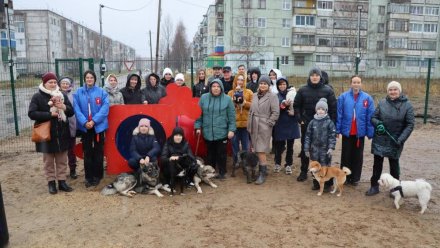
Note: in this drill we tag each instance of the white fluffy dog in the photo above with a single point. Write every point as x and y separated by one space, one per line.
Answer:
399 189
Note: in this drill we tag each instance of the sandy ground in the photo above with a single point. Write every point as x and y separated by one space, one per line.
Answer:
280 213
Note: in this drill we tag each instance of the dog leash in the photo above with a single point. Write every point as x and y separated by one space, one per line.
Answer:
197 144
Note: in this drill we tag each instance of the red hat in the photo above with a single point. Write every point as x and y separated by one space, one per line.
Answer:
48 76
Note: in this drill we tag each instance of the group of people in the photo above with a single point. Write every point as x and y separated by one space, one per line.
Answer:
249 109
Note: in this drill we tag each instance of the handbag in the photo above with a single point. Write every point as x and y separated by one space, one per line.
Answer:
41 132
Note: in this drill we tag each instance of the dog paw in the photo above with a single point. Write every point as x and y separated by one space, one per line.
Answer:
319 194
339 194
199 191
214 186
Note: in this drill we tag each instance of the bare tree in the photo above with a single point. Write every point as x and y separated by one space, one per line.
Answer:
180 48
166 38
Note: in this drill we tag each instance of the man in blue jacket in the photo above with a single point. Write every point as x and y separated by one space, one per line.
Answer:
355 109
91 106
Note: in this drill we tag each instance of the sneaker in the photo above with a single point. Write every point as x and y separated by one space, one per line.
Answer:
302 177
372 191
277 168
288 170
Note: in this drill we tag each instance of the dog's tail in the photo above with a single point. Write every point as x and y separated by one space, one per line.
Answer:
346 170
424 184
109 190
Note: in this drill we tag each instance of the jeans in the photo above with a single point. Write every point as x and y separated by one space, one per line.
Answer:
241 136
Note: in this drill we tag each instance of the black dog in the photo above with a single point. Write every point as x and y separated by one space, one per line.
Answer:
179 171
248 161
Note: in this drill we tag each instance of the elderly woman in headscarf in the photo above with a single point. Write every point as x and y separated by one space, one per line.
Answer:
113 91
394 122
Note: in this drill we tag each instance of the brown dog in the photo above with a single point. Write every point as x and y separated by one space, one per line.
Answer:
325 173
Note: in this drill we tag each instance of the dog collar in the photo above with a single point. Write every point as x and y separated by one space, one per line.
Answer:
398 188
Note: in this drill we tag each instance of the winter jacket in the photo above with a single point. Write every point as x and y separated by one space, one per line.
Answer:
241 110
39 111
218 115
72 119
263 115
320 137
143 145
228 84
211 78
165 82
307 97
286 127
99 107
152 94
364 109
398 118
172 149
114 94
199 89
253 86
132 96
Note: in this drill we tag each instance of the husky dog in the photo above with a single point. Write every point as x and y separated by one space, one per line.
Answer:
248 161
204 174
148 180
123 184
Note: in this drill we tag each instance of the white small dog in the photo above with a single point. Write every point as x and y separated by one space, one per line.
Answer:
399 189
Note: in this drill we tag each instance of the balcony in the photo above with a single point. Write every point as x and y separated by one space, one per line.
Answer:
303 49
304 11
396 51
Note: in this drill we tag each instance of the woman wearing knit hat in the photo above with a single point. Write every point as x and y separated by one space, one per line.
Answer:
394 122
55 150
180 79
320 139
167 77
144 147
263 115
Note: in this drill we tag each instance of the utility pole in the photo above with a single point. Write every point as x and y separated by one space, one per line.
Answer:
158 32
151 54
358 55
102 67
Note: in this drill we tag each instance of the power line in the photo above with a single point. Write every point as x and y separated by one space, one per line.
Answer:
196 5
128 10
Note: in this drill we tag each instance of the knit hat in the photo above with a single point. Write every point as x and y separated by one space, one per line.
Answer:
394 84
67 80
322 103
179 76
48 76
265 79
315 70
166 71
144 122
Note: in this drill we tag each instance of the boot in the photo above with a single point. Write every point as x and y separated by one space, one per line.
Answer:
62 186
73 174
52 187
263 173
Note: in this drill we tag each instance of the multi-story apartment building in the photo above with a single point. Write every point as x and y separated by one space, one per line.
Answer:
390 37
43 36
6 47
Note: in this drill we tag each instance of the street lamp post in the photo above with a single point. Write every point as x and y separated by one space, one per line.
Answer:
358 55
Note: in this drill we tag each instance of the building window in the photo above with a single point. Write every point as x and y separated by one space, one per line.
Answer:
343 58
284 60
415 27
429 45
299 59
300 4
323 58
380 27
392 63
247 22
399 8
261 41
379 63
381 10
379 45
324 41
328 5
20 27
399 25
261 22
245 4
400 43
304 39
304 20
220 41
412 62
286 23
323 23
261 4
262 62
285 42
341 42
245 40
431 11
416 10
287 5
414 45
430 28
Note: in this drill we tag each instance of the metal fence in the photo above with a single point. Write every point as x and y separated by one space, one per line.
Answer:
14 122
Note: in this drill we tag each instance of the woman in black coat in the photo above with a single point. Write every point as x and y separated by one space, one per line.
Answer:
394 122
153 91
55 150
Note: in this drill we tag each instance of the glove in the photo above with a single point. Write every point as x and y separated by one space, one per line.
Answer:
380 129
329 152
307 154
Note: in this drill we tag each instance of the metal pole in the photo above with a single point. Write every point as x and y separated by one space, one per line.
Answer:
101 61
428 80
192 72
81 71
151 54
358 55
157 37
11 71
278 63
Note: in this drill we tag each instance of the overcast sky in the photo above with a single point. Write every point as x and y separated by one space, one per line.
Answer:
129 27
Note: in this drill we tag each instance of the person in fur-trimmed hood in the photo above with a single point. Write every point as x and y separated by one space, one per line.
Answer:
132 90
144 147
153 91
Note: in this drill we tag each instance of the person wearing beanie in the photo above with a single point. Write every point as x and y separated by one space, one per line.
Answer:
217 124
111 87
167 77
91 107
144 147
255 75
320 140
201 85
153 91
304 107
286 129
394 122
355 109
263 115
180 79
66 86
132 90
55 150
174 149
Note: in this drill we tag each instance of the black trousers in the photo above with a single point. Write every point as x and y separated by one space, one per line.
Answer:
280 146
377 169
352 156
217 154
304 159
93 148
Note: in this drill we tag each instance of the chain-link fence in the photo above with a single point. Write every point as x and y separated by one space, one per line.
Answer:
15 96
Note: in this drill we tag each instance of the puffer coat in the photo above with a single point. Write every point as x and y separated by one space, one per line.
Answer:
152 94
286 127
320 137
398 118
